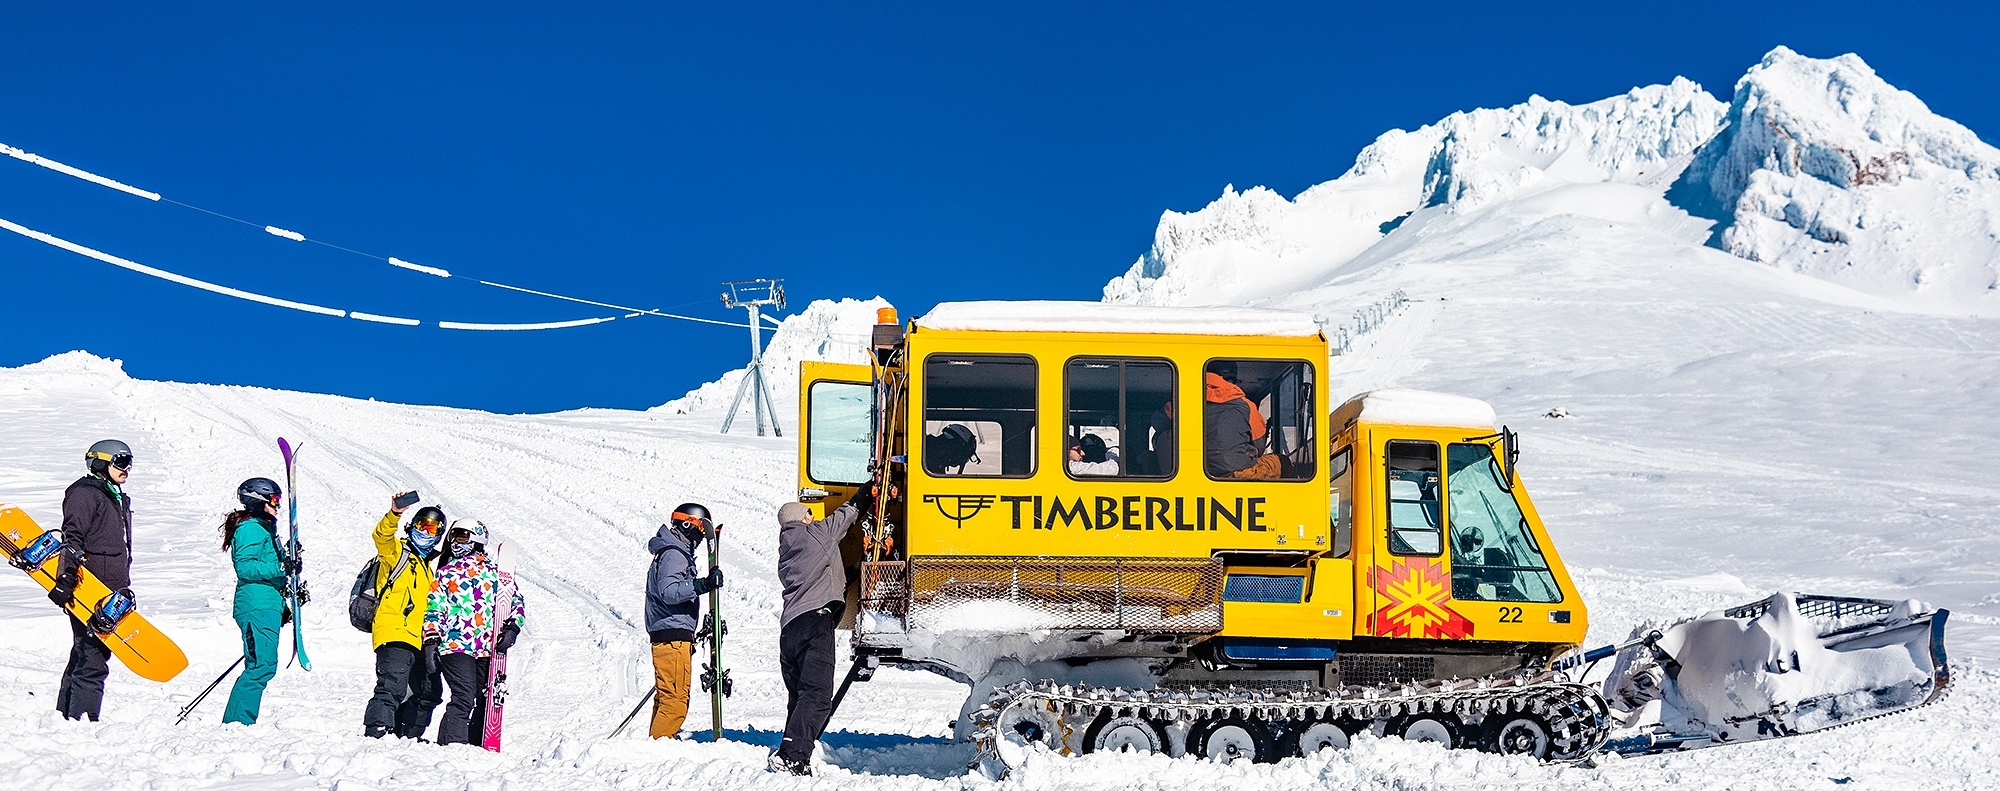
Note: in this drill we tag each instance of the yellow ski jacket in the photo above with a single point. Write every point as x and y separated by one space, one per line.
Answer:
399 616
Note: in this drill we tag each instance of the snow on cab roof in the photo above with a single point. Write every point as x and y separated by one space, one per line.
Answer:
1060 316
1415 408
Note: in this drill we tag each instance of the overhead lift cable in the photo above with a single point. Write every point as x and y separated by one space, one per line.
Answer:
35 159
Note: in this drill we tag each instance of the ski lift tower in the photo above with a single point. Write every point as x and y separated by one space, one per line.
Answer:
752 296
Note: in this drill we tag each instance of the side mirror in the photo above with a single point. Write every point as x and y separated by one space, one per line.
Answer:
1510 451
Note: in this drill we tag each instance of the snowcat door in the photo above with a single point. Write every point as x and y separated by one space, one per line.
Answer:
836 446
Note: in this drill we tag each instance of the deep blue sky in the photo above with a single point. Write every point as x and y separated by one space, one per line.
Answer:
641 155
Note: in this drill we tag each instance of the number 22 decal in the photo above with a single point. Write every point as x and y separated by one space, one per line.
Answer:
1510 615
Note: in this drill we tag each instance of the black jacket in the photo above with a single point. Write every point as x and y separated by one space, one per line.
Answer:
97 528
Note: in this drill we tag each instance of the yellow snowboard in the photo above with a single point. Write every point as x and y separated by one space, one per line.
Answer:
134 640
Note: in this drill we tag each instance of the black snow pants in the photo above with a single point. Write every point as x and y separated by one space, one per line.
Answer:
82 692
805 659
465 716
407 690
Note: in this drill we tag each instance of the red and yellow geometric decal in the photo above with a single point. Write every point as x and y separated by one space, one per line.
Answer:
1416 601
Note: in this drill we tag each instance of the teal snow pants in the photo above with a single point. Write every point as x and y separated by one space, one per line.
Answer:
260 664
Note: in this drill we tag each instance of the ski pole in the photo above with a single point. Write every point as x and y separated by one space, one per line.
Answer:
189 708
634 715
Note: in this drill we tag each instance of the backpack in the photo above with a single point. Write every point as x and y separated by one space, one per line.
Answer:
366 594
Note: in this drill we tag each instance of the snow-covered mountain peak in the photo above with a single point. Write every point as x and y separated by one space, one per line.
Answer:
1825 168
1255 242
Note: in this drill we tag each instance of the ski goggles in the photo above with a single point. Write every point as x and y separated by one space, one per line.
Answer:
459 534
427 525
693 520
122 461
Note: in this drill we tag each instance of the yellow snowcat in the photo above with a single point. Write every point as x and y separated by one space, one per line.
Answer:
1150 529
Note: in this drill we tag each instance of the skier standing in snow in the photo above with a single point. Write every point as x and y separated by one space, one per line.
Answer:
458 628
815 592
96 535
250 535
407 683
673 609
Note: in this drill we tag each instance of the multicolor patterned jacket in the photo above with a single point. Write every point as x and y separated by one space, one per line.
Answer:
463 604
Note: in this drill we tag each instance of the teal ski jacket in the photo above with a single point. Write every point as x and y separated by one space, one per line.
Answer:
260 578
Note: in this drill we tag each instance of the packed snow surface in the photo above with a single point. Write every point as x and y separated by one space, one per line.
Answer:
1060 316
1733 428
1420 407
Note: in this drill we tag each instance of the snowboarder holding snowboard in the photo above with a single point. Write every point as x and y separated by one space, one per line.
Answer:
815 591
250 536
407 683
673 609
96 535
458 626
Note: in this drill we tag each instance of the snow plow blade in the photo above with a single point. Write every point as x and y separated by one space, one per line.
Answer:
1785 666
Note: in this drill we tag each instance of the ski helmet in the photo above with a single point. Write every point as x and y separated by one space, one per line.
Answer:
259 492
426 528
475 531
692 520
108 452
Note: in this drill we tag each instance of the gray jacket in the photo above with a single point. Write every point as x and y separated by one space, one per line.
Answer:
809 559
672 608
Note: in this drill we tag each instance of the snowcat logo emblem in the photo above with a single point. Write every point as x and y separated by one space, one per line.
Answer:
963 506
1417 602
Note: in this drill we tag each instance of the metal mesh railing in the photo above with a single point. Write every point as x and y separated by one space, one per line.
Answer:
1013 594
1831 614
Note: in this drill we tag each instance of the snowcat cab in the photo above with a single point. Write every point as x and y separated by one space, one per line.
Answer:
1134 528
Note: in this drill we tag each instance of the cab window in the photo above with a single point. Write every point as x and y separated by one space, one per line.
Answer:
839 438
979 415
1119 416
1257 420
1493 553
1413 481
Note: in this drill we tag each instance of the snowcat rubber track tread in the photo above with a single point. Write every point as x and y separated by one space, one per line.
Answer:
1577 720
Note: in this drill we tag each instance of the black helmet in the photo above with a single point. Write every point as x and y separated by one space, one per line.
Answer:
108 452
258 492
431 513
692 519
952 446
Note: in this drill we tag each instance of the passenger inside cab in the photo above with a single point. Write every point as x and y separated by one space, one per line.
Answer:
1088 455
1234 431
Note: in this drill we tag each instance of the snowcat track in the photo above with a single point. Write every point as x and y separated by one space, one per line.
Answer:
1576 716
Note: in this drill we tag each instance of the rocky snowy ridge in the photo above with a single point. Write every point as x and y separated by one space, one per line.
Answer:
1816 166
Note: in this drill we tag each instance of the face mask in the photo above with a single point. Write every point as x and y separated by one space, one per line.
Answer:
461 549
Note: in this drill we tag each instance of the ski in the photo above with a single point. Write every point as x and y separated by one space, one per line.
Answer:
496 676
295 586
714 678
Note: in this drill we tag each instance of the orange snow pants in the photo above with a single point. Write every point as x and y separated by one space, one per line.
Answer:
672 674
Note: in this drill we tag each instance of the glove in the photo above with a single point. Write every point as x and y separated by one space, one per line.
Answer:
285 617
710 582
509 632
65 590
430 655
864 500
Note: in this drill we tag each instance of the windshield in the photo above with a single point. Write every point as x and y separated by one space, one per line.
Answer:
1493 554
